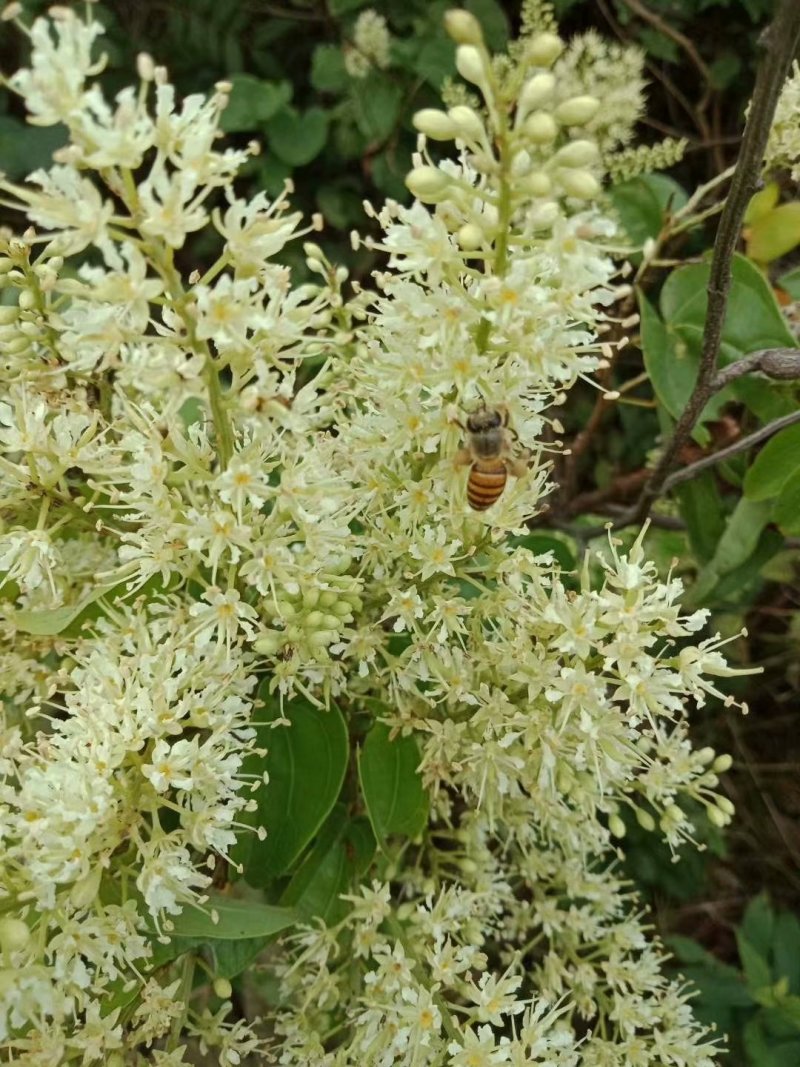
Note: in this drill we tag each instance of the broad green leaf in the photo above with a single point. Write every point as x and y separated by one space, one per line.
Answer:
253 101
703 512
493 20
306 762
737 584
775 234
377 107
786 950
328 72
758 924
790 282
298 137
233 957
236 919
340 204
339 858
642 204
753 321
436 61
44 623
786 512
669 363
777 461
761 203
755 966
24 148
736 545
394 796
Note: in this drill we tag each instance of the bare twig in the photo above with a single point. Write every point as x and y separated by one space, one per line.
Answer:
741 445
779 44
680 39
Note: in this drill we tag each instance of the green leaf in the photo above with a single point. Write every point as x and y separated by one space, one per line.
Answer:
236 919
252 102
758 924
756 968
436 61
395 799
762 202
540 544
377 107
753 321
643 202
703 512
24 148
306 763
493 20
298 137
341 7
667 359
340 856
48 623
775 234
736 545
233 957
790 282
724 70
786 950
328 72
787 507
777 461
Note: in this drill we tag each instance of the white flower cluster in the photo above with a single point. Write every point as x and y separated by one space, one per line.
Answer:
783 146
370 47
219 479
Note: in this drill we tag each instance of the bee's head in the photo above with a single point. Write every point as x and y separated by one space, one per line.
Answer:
484 419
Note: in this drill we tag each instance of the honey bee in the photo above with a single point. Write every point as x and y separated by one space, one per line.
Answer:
488 451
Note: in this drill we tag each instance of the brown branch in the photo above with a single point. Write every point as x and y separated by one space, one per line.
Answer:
779 44
680 39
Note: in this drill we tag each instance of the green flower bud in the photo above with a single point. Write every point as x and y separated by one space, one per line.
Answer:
579 183
645 819
268 643
468 122
544 49
285 609
427 184
340 608
577 154
222 988
723 763
14 934
311 598
716 817
314 619
536 91
616 826
8 314
330 622
706 755
726 805
578 110
538 184
541 127
470 64
544 215
462 26
328 598
470 237
435 124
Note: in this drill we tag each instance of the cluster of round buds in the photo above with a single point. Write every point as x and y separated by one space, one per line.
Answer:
308 622
542 152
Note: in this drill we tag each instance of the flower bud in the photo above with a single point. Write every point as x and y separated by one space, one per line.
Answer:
706 755
222 988
578 110
468 122
328 598
427 184
314 619
435 124
470 64
462 26
541 127
14 934
544 215
645 819
84 892
579 183
8 314
716 817
577 154
268 644
538 184
616 826
726 805
544 49
470 237
536 91
311 598
723 763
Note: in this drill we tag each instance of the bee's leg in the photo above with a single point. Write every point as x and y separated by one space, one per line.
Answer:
502 411
462 458
520 464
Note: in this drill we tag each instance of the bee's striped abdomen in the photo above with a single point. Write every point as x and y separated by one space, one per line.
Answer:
487 480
